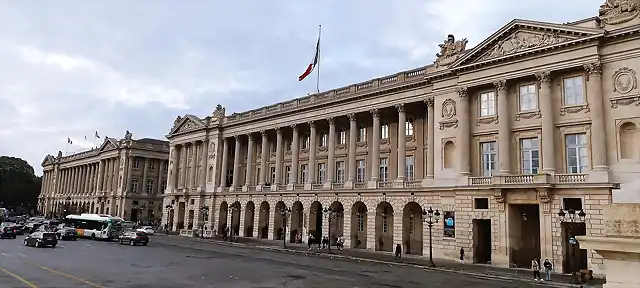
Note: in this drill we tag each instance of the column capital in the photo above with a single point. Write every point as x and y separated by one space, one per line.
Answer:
263 133
543 77
400 107
462 91
429 101
593 68
352 117
294 127
312 124
330 120
278 130
375 113
500 84
237 137
249 136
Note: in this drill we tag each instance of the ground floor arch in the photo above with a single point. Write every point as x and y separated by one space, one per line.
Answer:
359 225
384 227
297 221
222 217
249 214
412 228
263 220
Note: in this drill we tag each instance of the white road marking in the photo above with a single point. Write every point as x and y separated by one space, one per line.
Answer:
22 255
62 246
3 254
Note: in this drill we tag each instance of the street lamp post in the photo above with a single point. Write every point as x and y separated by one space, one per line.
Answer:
232 211
169 220
204 210
570 217
330 213
285 212
430 218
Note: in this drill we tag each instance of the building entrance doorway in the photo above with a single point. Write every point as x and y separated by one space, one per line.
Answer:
574 258
134 215
524 234
481 241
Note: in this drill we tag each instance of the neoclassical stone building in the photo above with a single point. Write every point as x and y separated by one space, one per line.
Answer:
124 178
498 138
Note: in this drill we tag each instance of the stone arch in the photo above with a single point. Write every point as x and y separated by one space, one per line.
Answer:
628 134
336 222
279 222
384 227
359 225
249 215
222 217
412 229
263 220
297 221
236 208
315 220
448 154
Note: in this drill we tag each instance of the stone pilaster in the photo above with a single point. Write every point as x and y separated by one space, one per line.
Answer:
600 172
504 128
430 138
462 141
548 127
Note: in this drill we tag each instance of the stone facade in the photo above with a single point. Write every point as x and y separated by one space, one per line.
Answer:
124 178
498 138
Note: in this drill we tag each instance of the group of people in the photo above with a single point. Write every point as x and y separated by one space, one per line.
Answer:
535 266
324 243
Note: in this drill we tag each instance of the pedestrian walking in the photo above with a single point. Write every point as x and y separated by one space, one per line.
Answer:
398 252
535 266
462 255
548 267
311 241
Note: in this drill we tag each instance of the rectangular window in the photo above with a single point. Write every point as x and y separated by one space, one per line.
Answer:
134 185
340 172
488 158
384 170
321 172
573 91
136 163
409 127
361 173
384 131
577 156
273 174
529 156
304 168
528 98
149 188
342 137
152 164
481 203
305 142
362 134
487 104
287 179
323 140
409 168
385 223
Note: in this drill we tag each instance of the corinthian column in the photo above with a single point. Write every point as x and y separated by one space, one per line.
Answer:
236 164
313 147
295 149
402 143
431 147
264 155
331 159
504 128
353 137
599 144
278 158
375 150
463 131
223 168
250 150
546 109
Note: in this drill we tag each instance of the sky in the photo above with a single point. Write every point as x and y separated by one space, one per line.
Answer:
70 68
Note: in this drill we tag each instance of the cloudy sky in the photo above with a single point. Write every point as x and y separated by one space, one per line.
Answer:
69 68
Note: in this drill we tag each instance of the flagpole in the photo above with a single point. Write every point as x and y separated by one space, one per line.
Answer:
318 64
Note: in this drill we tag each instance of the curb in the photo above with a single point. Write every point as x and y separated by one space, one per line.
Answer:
311 253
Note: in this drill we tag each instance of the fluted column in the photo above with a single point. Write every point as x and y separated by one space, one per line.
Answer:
313 148
194 165
100 176
278 156
295 150
353 137
90 179
76 180
160 180
546 109
172 167
463 131
142 188
375 149
430 138
116 166
223 169
402 142
504 128
594 90
186 167
264 155
331 160
236 163
130 160
250 152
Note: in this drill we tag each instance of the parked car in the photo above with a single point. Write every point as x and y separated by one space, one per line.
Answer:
66 233
41 239
134 238
146 229
7 232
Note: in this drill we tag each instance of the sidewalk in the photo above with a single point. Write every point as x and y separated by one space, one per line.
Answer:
558 280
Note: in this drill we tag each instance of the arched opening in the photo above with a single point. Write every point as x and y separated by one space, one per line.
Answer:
210 174
359 225
249 212
222 217
628 133
448 153
263 220
297 220
336 222
235 218
412 229
278 221
384 227
315 220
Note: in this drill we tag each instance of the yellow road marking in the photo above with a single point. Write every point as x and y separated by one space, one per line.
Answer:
68 276
31 285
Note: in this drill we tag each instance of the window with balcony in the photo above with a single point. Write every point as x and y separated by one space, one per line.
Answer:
305 142
529 156
487 104
384 170
361 173
149 187
304 168
323 140
134 185
322 167
287 173
577 157
528 98
384 131
273 174
342 136
489 155
136 163
409 168
339 171
573 91
362 134
409 127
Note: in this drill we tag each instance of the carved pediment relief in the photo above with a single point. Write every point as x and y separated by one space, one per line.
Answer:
522 41
48 160
186 124
614 12
108 144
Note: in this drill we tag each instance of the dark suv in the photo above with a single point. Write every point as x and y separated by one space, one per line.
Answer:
41 239
133 238
8 232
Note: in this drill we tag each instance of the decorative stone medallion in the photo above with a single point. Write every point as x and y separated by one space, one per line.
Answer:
448 108
624 80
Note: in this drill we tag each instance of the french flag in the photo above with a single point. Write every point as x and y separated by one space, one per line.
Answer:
313 63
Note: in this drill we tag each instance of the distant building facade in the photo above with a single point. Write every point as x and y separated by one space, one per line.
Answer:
498 138
124 178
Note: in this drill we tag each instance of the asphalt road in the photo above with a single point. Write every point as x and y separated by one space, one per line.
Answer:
97 264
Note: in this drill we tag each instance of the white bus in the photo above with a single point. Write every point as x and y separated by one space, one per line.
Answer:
95 226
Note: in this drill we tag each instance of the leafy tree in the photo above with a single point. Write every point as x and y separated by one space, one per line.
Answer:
19 186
